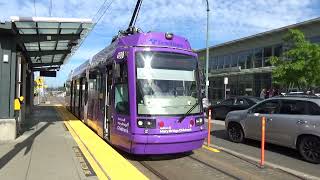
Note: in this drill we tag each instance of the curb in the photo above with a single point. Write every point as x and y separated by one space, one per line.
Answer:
298 174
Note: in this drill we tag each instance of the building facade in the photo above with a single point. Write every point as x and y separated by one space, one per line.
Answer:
245 62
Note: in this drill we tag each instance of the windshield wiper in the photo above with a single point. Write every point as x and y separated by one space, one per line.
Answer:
188 112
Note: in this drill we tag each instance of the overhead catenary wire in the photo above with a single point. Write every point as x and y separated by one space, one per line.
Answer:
50 8
106 7
34 7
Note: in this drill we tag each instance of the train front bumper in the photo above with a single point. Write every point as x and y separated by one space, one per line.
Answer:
168 143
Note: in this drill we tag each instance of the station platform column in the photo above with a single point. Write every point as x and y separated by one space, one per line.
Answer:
7 89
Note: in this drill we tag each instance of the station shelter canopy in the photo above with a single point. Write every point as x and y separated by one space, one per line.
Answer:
48 42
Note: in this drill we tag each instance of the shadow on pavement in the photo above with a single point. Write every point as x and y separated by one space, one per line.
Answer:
27 143
46 114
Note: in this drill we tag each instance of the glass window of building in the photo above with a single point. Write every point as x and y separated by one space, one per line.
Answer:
220 62
227 61
277 50
242 60
315 39
267 53
214 63
234 60
249 57
258 58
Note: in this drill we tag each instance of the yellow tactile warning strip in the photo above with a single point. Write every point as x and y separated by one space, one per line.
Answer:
210 148
105 161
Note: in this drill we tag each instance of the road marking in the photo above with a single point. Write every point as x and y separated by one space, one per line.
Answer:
210 149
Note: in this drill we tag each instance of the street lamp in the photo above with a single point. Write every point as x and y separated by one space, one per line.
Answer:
207 52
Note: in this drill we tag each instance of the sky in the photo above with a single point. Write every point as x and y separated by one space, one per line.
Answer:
229 20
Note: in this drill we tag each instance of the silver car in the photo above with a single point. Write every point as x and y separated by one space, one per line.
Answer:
290 121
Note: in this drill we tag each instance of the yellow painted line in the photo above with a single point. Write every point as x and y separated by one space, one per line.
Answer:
210 149
108 159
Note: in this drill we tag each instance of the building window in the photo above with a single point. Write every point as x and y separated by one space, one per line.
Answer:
258 58
249 57
315 39
214 63
242 60
227 61
278 50
267 53
234 60
220 62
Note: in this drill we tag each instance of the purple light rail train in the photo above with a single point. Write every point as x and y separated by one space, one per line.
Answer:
141 94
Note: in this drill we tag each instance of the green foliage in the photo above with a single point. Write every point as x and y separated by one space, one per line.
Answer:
299 64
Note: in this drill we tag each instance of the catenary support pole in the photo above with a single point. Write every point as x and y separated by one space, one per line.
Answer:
207 53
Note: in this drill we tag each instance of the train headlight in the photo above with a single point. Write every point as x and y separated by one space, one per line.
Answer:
140 123
199 121
147 123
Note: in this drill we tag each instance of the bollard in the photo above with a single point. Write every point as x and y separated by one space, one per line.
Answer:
263 131
209 127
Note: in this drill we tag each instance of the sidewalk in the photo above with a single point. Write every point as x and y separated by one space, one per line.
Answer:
46 150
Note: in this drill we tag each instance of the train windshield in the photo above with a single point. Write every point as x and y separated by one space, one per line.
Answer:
166 83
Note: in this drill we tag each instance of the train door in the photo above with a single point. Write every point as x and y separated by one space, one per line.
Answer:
86 97
74 96
120 115
99 112
107 118
91 92
71 96
82 98
77 98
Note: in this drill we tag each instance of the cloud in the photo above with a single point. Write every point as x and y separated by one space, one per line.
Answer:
229 20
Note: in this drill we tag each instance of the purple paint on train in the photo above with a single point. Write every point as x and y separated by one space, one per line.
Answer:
136 92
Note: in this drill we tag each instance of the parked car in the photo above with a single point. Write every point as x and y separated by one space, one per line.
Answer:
293 122
220 110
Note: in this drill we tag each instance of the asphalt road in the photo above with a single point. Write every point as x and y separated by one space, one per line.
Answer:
279 155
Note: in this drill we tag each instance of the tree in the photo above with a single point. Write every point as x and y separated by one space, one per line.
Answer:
299 65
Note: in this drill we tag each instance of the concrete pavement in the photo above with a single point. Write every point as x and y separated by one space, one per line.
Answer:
44 151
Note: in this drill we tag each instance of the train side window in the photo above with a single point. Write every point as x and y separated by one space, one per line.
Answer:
121 73
121 98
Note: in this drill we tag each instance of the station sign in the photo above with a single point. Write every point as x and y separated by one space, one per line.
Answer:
48 73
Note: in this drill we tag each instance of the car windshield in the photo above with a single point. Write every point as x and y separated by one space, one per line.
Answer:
166 83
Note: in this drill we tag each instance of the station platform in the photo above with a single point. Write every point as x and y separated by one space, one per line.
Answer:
50 148
56 145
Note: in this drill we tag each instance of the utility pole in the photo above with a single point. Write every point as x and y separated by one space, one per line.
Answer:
207 53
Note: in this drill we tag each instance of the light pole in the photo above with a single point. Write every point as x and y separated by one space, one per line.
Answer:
207 52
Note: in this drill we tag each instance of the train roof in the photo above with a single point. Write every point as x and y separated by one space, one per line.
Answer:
80 70
150 39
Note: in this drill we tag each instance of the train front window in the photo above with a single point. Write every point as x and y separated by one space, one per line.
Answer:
166 83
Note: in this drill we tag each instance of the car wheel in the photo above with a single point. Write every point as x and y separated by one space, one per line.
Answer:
309 148
235 133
